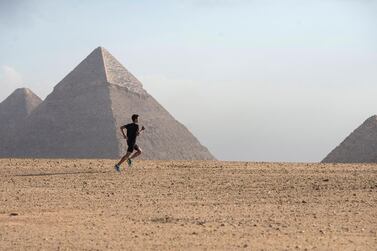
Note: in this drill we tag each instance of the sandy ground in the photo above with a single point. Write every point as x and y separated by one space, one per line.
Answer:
86 205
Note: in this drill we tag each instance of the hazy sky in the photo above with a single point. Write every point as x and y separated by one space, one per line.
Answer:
253 80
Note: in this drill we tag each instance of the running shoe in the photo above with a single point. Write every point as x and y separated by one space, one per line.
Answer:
117 168
129 162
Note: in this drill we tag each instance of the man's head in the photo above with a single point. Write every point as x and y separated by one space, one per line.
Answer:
135 118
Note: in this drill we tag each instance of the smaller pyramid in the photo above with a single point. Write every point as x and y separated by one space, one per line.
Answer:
18 106
359 147
13 111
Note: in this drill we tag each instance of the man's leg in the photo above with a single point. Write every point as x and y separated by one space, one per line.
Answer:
124 158
137 153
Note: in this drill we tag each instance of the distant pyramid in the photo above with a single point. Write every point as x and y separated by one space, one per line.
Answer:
17 107
82 116
359 147
13 110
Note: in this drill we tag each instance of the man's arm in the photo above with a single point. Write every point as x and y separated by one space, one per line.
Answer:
142 129
121 129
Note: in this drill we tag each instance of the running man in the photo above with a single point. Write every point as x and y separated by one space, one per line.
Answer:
132 132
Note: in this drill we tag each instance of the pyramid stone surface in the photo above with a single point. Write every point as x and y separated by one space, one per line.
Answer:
82 116
359 147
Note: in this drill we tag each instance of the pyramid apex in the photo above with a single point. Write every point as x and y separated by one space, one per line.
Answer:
21 89
23 92
371 120
101 49
27 94
100 67
373 117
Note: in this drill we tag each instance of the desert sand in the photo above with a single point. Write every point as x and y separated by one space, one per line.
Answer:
85 205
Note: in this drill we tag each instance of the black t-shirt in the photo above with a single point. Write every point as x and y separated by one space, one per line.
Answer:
132 130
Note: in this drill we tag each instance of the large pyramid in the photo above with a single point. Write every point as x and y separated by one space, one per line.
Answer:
82 116
359 147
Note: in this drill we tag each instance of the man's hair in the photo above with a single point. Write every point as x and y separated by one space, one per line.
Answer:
134 117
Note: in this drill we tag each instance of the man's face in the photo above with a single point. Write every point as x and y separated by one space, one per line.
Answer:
137 120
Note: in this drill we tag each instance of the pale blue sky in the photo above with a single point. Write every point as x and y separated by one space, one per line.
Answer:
253 80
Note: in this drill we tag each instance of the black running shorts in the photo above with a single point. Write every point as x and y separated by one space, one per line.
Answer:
132 146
